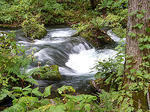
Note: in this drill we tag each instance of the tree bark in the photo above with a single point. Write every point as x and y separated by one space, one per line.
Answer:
133 51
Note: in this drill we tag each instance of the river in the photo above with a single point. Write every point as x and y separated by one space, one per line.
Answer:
75 57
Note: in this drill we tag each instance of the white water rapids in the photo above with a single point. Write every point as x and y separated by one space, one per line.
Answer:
82 57
75 57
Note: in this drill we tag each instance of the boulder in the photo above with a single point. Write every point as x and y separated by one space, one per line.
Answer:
46 73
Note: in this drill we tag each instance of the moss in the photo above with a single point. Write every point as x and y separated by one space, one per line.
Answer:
46 73
32 28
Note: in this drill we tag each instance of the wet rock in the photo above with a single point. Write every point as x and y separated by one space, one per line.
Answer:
102 38
97 37
46 73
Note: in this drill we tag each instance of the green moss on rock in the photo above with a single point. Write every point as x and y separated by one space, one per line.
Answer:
46 73
32 28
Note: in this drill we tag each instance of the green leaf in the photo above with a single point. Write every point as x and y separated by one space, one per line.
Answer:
65 88
133 71
148 29
133 13
58 108
100 37
139 16
87 107
17 89
140 83
147 76
3 94
131 34
45 101
120 99
132 78
47 91
36 92
138 26
140 110
32 81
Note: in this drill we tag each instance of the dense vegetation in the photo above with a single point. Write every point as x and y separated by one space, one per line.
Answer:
117 90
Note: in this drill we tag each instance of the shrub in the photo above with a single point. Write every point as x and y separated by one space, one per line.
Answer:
13 62
33 29
16 11
39 102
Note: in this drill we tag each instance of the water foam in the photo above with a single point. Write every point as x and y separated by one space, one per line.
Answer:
113 36
42 55
62 33
84 62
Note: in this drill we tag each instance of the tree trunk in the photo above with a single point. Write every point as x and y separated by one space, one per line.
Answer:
137 29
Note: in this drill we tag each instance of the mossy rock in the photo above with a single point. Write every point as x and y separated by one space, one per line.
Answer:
46 73
32 28
97 37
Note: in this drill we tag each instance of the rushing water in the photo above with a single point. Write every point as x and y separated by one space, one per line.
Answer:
74 56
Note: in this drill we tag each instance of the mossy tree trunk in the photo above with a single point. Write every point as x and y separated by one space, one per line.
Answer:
138 28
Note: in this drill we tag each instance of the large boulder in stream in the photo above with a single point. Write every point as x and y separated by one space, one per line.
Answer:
33 29
95 36
46 73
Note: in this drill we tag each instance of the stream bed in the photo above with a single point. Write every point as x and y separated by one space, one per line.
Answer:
75 57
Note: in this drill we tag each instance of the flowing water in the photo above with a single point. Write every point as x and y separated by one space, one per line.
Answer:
74 56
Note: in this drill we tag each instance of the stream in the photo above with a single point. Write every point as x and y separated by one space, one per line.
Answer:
75 57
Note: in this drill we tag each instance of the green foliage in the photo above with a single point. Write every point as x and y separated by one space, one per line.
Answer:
33 29
25 103
111 70
133 85
69 103
120 32
112 6
111 73
111 21
65 89
79 103
17 11
52 12
97 27
47 91
13 63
